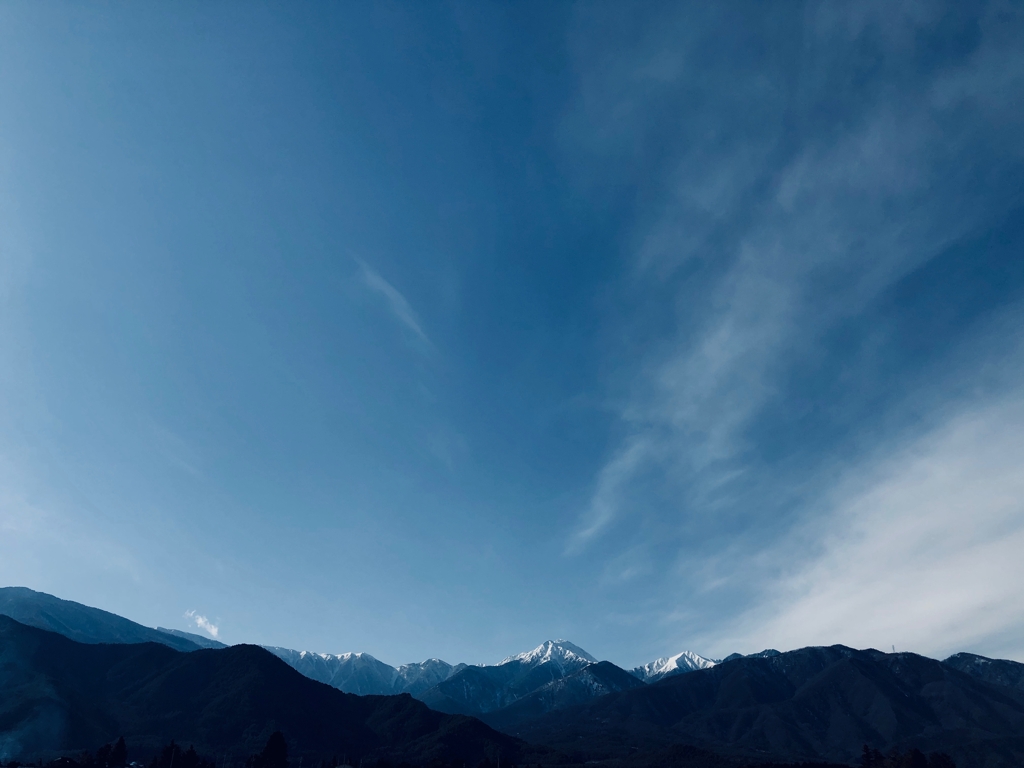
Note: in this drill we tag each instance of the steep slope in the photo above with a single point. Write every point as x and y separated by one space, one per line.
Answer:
362 674
416 678
815 703
995 671
358 673
478 689
560 654
687 661
80 622
200 640
61 696
580 687
767 653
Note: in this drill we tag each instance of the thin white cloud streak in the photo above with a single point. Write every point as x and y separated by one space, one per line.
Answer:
396 302
605 502
923 550
856 214
203 623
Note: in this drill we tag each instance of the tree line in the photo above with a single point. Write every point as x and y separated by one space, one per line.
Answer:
273 755
914 758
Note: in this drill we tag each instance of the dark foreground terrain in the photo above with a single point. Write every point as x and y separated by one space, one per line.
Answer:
810 704
275 755
814 707
60 697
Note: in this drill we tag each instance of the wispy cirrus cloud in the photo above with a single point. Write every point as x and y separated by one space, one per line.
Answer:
835 225
393 299
918 548
604 504
203 623
779 234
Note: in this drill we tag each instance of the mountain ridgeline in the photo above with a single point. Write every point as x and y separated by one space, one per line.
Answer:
555 674
583 685
451 688
478 689
808 704
82 623
78 677
62 697
687 661
362 674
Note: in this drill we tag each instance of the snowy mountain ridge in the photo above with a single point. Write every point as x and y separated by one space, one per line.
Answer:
458 688
565 655
687 661
363 674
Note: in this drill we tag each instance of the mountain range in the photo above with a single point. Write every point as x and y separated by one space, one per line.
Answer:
587 683
687 661
551 676
358 673
809 704
109 676
362 674
469 689
82 623
61 697
477 689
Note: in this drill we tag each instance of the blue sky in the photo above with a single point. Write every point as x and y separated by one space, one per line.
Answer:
439 329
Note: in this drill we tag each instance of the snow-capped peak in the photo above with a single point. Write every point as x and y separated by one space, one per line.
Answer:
687 661
348 656
560 652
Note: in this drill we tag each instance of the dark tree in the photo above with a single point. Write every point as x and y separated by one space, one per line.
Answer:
172 756
274 754
107 756
119 754
872 758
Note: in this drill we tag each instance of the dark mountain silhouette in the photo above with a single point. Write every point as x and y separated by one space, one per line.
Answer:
995 671
478 689
580 687
80 622
815 704
765 654
60 696
810 704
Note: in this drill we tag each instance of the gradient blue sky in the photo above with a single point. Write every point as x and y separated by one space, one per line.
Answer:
441 329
